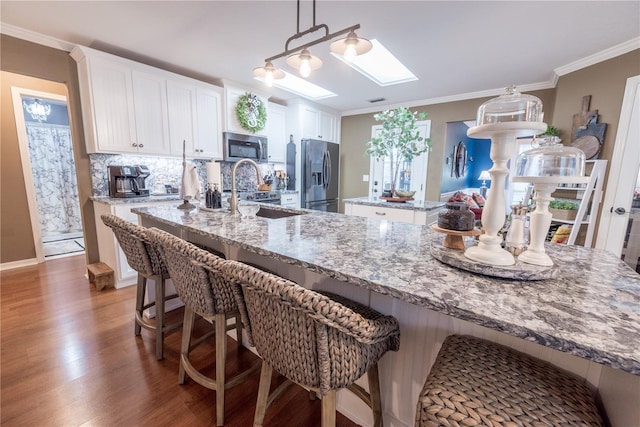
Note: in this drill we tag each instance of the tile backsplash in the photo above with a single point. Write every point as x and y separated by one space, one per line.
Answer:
167 170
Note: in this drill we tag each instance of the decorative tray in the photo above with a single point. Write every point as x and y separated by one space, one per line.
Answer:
518 271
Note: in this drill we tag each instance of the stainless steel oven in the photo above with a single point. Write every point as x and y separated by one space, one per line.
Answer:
238 146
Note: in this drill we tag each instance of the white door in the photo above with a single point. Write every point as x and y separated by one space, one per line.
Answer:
619 221
413 174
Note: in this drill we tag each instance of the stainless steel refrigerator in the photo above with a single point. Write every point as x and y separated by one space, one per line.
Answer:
320 170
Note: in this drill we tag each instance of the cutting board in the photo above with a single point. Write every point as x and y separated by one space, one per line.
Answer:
584 117
589 139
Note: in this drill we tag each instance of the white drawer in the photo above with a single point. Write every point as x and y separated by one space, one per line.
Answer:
378 212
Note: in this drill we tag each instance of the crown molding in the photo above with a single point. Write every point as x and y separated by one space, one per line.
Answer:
601 56
34 37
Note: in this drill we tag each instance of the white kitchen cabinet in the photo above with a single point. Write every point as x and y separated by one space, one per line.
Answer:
313 122
277 133
129 107
106 89
194 117
290 200
150 113
209 137
389 214
183 116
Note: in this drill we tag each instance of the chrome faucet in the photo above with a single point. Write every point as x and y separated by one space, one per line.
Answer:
233 201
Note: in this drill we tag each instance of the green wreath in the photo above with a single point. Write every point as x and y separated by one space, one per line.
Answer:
251 113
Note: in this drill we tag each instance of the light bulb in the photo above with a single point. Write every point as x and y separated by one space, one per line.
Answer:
268 77
350 52
305 67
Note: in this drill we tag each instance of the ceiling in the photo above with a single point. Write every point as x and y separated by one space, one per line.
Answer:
457 49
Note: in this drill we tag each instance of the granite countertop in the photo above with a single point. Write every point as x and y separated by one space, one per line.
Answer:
135 200
415 206
591 309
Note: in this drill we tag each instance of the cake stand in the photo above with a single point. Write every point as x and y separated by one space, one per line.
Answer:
503 136
541 217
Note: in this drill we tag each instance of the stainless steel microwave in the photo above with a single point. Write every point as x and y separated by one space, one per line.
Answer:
238 146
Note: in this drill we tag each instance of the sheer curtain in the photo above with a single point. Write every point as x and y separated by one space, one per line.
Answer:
54 175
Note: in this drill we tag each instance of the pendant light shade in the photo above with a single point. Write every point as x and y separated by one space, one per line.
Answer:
304 62
351 46
269 73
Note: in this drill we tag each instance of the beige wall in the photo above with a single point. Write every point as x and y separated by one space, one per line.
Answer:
33 66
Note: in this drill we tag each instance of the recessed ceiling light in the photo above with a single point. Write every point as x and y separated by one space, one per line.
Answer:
300 87
380 66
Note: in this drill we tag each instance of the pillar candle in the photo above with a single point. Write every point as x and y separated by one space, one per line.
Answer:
213 173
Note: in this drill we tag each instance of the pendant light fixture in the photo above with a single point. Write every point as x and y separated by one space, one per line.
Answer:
304 61
269 73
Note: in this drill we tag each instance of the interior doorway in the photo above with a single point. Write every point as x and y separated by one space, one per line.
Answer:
46 151
619 230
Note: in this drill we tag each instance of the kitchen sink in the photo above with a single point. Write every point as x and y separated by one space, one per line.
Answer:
276 213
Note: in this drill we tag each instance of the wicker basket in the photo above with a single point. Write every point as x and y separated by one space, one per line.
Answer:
564 214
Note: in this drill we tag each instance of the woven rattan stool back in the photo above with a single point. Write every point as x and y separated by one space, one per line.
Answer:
141 255
321 341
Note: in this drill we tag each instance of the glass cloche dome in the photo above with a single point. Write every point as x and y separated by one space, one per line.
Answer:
510 107
551 158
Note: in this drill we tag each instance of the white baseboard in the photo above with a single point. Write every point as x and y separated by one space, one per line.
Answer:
18 264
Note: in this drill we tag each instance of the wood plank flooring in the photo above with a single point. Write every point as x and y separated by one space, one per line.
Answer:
69 357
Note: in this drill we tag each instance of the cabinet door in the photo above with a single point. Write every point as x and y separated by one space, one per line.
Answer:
150 108
327 126
277 133
112 102
209 123
124 270
310 119
389 214
181 100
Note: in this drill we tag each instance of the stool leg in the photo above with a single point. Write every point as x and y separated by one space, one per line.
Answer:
374 395
263 394
221 355
239 330
187 327
159 317
329 409
140 292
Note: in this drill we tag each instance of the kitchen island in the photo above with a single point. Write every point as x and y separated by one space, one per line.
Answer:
587 320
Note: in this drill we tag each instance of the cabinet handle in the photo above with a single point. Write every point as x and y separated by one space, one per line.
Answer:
381 213
134 144
320 136
141 145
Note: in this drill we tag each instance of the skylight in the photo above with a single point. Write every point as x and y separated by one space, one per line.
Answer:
301 87
380 66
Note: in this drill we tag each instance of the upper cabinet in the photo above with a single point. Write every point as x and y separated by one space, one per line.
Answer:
277 133
130 107
312 122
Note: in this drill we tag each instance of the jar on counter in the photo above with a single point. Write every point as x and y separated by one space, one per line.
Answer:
456 216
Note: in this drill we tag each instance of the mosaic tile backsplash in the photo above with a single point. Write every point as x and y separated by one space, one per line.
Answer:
166 170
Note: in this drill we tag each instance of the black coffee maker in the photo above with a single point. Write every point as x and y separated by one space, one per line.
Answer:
128 181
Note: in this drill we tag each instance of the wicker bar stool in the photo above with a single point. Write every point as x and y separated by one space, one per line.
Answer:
322 342
204 290
148 263
475 382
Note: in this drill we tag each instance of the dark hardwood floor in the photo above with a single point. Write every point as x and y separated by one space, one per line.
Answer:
69 357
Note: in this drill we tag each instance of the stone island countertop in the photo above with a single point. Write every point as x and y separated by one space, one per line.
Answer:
591 310
416 206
